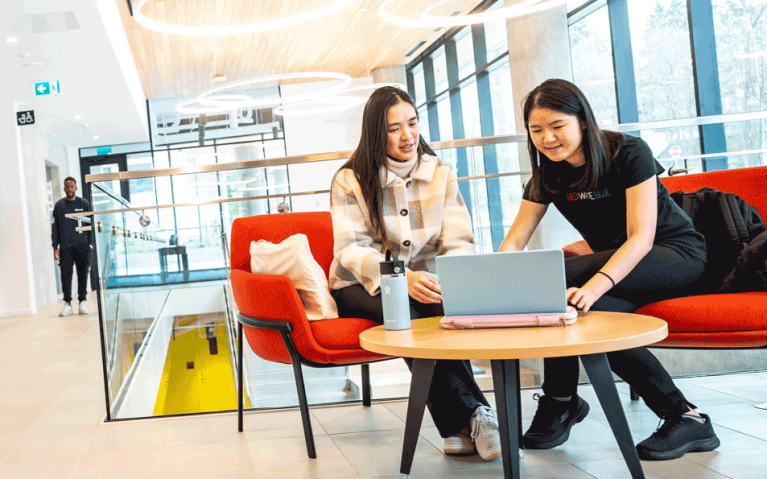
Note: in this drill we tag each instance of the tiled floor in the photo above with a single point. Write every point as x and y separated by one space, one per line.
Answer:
52 403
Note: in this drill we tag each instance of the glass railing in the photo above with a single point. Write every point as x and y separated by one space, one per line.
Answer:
162 295
206 199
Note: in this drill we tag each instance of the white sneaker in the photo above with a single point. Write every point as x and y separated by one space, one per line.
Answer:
460 443
484 431
83 308
67 311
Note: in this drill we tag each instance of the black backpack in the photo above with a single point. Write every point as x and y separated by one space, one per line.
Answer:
727 223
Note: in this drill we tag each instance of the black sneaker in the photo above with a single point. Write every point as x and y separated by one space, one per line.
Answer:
553 420
678 436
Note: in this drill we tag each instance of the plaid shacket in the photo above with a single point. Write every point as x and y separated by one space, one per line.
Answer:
429 216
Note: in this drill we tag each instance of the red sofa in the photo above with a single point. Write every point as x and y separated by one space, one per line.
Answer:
733 320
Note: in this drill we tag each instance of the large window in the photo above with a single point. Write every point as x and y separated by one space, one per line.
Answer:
741 45
487 109
660 39
593 71
503 99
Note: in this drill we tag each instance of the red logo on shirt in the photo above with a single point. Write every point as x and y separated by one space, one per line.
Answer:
572 197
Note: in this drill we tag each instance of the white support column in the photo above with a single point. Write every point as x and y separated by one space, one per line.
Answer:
539 49
17 292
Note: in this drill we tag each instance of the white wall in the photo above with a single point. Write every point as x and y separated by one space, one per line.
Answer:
39 147
323 133
28 282
16 289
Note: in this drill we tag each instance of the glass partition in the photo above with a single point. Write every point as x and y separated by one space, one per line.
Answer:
166 309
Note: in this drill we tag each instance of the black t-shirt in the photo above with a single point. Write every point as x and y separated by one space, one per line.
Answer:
599 215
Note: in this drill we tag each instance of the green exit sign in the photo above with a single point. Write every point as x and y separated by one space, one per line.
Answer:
47 88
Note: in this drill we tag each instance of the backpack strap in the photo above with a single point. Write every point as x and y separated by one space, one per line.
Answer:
734 221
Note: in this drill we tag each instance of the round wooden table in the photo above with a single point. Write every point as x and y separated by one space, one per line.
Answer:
595 334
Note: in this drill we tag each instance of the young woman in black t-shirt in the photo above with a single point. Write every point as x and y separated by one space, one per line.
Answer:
645 250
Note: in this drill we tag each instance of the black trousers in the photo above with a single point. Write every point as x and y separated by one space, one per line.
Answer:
79 256
664 273
454 394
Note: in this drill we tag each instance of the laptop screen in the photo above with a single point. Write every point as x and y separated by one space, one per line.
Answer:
521 282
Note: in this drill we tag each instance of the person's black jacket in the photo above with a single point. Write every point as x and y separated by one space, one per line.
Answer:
63 233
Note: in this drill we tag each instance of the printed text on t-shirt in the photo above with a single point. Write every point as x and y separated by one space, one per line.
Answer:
589 195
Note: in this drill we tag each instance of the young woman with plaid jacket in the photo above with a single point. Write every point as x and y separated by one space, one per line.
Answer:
395 193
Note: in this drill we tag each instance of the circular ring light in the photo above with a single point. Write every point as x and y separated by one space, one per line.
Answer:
223 103
346 81
339 103
317 111
432 21
237 29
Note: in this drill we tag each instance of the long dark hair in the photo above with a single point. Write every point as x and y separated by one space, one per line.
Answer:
370 156
598 146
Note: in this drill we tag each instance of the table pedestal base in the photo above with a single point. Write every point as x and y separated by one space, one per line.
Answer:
507 400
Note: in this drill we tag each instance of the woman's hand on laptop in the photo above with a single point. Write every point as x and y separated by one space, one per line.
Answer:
423 287
581 298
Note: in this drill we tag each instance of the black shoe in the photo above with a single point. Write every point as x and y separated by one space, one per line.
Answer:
678 436
553 420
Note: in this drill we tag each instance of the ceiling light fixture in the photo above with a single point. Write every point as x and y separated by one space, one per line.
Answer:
338 102
78 117
11 40
432 21
237 29
225 103
96 137
219 78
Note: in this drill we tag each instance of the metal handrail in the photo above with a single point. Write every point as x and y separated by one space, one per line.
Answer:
437 145
265 197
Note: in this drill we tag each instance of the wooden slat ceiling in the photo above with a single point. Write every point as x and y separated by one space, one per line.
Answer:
350 41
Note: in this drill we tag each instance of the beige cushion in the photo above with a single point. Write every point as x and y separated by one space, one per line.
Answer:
293 258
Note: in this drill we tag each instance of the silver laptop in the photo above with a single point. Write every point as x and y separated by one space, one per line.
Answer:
522 282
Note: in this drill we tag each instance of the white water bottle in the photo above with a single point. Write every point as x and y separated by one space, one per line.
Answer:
394 294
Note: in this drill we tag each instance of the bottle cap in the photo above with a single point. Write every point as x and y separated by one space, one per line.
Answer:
392 265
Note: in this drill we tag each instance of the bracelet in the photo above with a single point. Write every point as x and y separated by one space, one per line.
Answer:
608 277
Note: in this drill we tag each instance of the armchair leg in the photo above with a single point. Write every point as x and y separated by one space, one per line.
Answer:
366 385
304 406
240 392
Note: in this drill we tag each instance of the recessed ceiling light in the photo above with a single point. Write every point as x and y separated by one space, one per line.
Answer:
78 117
289 39
96 137
219 78
320 49
206 44
11 40
363 9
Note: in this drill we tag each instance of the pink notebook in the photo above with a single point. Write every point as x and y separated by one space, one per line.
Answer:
510 320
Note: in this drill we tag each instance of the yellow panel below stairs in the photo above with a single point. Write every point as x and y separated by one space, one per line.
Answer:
208 386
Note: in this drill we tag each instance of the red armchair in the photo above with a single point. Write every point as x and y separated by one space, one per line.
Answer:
272 316
733 320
